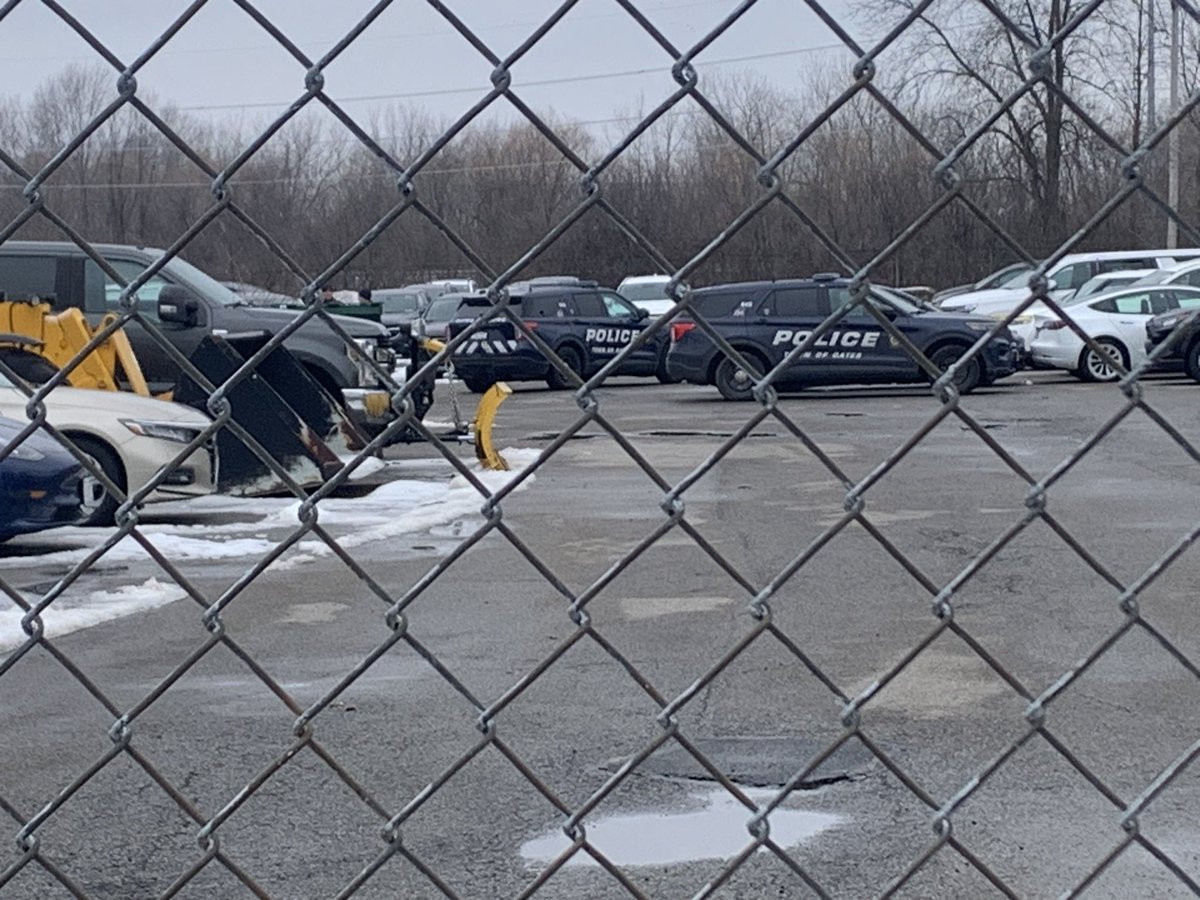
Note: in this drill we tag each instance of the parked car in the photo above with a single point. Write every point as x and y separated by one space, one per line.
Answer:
434 322
1183 327
1006 276
251 293
130 437
1186 273
1116 320
1067 275
188 305
585 326
400 308
770 318
648 292
39 483
1110 281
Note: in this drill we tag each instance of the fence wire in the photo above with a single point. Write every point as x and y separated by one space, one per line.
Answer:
32 849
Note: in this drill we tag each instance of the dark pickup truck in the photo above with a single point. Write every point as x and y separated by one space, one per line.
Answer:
187 305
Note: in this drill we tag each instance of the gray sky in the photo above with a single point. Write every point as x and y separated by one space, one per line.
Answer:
222 64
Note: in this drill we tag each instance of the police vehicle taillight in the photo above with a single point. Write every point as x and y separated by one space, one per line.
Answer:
679 329
532 326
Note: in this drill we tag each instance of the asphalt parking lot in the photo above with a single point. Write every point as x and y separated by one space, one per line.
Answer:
571 697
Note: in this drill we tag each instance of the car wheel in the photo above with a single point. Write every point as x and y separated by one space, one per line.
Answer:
660 372
969 376
1095 367
573 361
734 382
476 384
97 505
1191 360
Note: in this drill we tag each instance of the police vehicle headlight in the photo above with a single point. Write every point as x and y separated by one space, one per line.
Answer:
979 326
27 453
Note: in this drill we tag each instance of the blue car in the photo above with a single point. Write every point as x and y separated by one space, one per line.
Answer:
39 484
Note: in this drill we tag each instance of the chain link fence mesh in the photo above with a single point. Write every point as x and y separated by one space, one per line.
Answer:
33 826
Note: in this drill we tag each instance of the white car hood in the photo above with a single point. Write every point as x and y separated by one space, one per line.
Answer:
83 404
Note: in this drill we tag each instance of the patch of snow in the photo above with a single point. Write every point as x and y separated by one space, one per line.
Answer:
65 615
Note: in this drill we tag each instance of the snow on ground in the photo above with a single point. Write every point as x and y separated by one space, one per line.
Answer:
402 506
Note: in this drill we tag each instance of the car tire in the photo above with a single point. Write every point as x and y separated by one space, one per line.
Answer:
573 360
734 382
1191 360
1093 368
98 505
475 384
969 377
660 372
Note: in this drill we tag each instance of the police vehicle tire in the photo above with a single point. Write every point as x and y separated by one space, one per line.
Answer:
660 372
1093 368
477 384
732 381
969 377
1191 360
98 505
573 360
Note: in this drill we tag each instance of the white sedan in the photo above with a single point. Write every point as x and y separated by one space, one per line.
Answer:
130 437
1115 320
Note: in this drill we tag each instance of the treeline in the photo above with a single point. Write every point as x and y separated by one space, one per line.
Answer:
861 179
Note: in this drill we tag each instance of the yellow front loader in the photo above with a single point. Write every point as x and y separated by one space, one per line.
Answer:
58 337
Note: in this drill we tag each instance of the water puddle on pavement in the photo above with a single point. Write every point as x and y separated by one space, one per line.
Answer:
718 831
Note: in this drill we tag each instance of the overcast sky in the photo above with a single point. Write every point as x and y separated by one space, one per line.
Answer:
600 62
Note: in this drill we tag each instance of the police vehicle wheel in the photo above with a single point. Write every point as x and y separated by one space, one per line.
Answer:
734 382
661 373
475 384
1094 367
969 376
1191 361
97 506
573 361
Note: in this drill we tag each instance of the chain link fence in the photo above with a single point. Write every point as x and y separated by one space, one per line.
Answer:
35 857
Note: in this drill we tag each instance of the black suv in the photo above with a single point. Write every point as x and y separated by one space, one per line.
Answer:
764 320
187 305
586 325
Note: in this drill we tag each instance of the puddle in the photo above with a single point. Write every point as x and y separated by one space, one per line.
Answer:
718 831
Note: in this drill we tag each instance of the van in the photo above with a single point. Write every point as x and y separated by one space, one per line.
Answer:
1066 276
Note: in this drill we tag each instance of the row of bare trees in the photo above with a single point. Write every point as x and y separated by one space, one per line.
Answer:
858 182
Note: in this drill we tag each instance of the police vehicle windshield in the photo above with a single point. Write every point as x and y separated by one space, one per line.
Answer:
840 296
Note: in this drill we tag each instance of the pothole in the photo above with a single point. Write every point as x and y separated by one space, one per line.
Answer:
756 761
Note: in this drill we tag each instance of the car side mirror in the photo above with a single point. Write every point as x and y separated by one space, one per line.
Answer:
639 314
178 305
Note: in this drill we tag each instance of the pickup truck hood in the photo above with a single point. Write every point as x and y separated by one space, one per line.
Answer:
258 318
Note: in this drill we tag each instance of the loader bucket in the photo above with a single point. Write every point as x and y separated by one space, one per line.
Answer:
261 404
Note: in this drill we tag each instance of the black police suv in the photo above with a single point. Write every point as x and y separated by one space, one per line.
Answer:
764 320
1185 347
586 325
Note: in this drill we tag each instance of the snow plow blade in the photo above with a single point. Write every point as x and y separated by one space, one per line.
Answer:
485 418
282 407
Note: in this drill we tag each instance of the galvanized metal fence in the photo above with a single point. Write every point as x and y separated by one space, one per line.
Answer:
29 850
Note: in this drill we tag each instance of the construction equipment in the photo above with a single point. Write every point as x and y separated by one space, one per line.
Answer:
58 337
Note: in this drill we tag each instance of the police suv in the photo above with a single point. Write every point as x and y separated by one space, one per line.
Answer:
764 320
585 324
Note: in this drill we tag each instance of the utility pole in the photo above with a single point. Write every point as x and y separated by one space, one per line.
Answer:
1151 112
1173 138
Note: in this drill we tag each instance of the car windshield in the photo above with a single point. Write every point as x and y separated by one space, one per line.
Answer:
655 290
398 303
898 300
1162 276
442 309
206 284
1005 277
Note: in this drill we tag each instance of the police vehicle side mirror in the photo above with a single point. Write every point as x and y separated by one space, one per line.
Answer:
178 305
639 314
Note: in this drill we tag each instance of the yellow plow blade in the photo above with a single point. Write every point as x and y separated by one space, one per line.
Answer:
485 417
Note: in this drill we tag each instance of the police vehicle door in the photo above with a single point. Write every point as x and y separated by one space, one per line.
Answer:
784 320
863 346
617 325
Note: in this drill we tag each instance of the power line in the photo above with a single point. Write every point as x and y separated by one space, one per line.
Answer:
543 82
